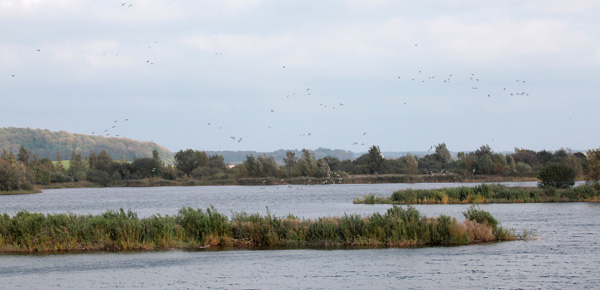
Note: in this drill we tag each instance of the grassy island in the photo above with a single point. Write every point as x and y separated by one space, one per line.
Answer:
485 193
196 228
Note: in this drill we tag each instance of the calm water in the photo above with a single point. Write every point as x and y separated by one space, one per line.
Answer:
566 254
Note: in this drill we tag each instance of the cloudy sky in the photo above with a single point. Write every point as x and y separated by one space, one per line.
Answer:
266 75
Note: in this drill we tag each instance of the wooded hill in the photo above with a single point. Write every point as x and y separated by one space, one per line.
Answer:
47 144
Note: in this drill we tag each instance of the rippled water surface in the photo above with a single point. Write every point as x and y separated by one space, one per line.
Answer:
565 255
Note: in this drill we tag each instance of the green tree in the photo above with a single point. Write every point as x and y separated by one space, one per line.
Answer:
524 169
592 174
59 166
13 174
77 168
104 162
395 166
556 176
512 164
466 163
91 160
323 168
146 167
43 171
307 164
24 155
188 160
375 160
267 166
413 164
100 177
252 168
484 150
290 159
442 154
484 165
333 163
217 162
501 167
526 156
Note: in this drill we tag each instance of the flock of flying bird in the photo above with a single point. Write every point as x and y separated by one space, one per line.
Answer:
304 134
420 77
106 132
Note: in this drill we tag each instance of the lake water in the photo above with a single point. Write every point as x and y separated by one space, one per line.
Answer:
565 255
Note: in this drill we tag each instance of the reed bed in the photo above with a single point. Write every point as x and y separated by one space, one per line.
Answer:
197 228
486 193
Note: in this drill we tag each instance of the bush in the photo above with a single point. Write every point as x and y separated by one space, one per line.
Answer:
59 177
481 216
556 176
13 177
99 176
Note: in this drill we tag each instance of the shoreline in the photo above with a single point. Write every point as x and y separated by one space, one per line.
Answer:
381 179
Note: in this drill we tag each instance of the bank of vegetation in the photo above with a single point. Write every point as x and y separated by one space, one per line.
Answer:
486 193
25 171
197 228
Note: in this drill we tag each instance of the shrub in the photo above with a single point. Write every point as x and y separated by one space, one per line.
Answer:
556 176
99 176
481 216
478 232
59 177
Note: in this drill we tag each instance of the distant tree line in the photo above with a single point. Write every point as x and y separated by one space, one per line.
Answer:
23 171
522 163
26 169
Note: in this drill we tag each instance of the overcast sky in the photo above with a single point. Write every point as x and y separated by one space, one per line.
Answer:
267 75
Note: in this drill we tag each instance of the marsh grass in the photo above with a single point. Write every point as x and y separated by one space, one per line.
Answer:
197 228
485 193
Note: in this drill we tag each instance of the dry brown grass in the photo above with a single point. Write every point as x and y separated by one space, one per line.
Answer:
212 240
477 232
